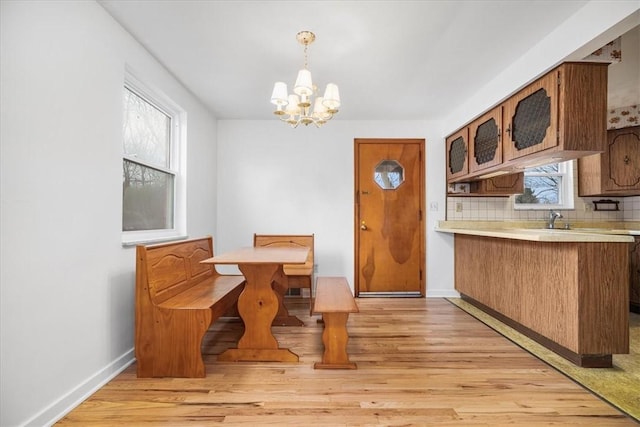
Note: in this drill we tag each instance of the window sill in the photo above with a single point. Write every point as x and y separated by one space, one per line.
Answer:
150 241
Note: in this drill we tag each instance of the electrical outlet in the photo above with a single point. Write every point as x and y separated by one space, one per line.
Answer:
433 206
315 268
458 206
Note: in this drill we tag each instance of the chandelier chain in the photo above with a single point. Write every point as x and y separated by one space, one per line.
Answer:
306 61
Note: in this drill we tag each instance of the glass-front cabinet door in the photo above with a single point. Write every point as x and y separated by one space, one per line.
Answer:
531 118
485 143
457 154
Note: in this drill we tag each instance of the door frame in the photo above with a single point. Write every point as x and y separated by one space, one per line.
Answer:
421 193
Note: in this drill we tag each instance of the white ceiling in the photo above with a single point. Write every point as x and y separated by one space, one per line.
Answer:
391 59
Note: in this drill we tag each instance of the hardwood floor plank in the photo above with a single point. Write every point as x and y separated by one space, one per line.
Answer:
420 362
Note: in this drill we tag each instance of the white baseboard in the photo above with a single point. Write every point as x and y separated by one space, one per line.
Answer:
442 293
79 394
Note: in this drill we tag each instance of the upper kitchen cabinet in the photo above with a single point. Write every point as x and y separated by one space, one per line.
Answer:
532 118
616 172
559 117
457 154
485 144
497 186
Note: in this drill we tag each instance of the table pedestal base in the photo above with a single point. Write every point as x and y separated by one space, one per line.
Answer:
287 321
280 286
258 355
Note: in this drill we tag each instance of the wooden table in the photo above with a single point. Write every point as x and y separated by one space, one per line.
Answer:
259 305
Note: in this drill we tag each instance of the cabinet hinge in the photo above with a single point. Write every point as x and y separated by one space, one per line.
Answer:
558 136
420 274
559 79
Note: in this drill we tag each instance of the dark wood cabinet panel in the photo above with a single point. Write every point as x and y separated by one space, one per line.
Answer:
623 159
497 186
615 172
504 185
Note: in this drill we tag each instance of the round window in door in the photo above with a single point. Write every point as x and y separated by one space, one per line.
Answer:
389 174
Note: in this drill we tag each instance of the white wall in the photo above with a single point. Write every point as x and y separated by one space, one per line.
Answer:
67 284
275 179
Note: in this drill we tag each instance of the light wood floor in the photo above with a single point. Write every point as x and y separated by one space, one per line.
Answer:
420 362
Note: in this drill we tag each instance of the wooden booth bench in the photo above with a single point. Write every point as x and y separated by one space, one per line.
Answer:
334 300
177 300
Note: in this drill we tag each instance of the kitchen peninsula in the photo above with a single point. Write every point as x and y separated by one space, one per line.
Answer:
566 289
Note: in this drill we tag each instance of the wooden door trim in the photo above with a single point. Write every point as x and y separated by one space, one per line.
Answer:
422 194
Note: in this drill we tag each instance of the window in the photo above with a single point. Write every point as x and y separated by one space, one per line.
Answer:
547 187
152 171
389 174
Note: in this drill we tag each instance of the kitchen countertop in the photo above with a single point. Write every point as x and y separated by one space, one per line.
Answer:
536 231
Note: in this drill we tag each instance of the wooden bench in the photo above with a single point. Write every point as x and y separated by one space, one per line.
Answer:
298 275
334 301
177 300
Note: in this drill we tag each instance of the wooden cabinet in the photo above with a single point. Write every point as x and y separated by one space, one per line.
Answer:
458 154
485 143
634 266
504 185
616 172
560 116
532 118
565 295
497 186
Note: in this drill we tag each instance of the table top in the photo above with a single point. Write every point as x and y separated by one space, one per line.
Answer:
261 255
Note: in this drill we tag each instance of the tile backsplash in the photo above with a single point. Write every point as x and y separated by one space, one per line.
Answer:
501 209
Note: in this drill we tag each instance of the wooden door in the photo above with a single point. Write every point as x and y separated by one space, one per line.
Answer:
389 225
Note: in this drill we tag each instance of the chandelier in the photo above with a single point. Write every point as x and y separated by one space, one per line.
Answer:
295 108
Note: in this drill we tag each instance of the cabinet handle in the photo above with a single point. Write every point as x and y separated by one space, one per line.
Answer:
508 130
626 160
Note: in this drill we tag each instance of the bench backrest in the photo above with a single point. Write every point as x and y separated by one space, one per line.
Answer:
167 269
280 240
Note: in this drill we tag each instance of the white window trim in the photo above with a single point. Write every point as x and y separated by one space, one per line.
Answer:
565 169
178 163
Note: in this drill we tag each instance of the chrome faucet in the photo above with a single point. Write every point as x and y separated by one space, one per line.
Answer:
552 218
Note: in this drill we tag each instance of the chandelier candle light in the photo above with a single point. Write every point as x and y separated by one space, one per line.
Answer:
296 107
